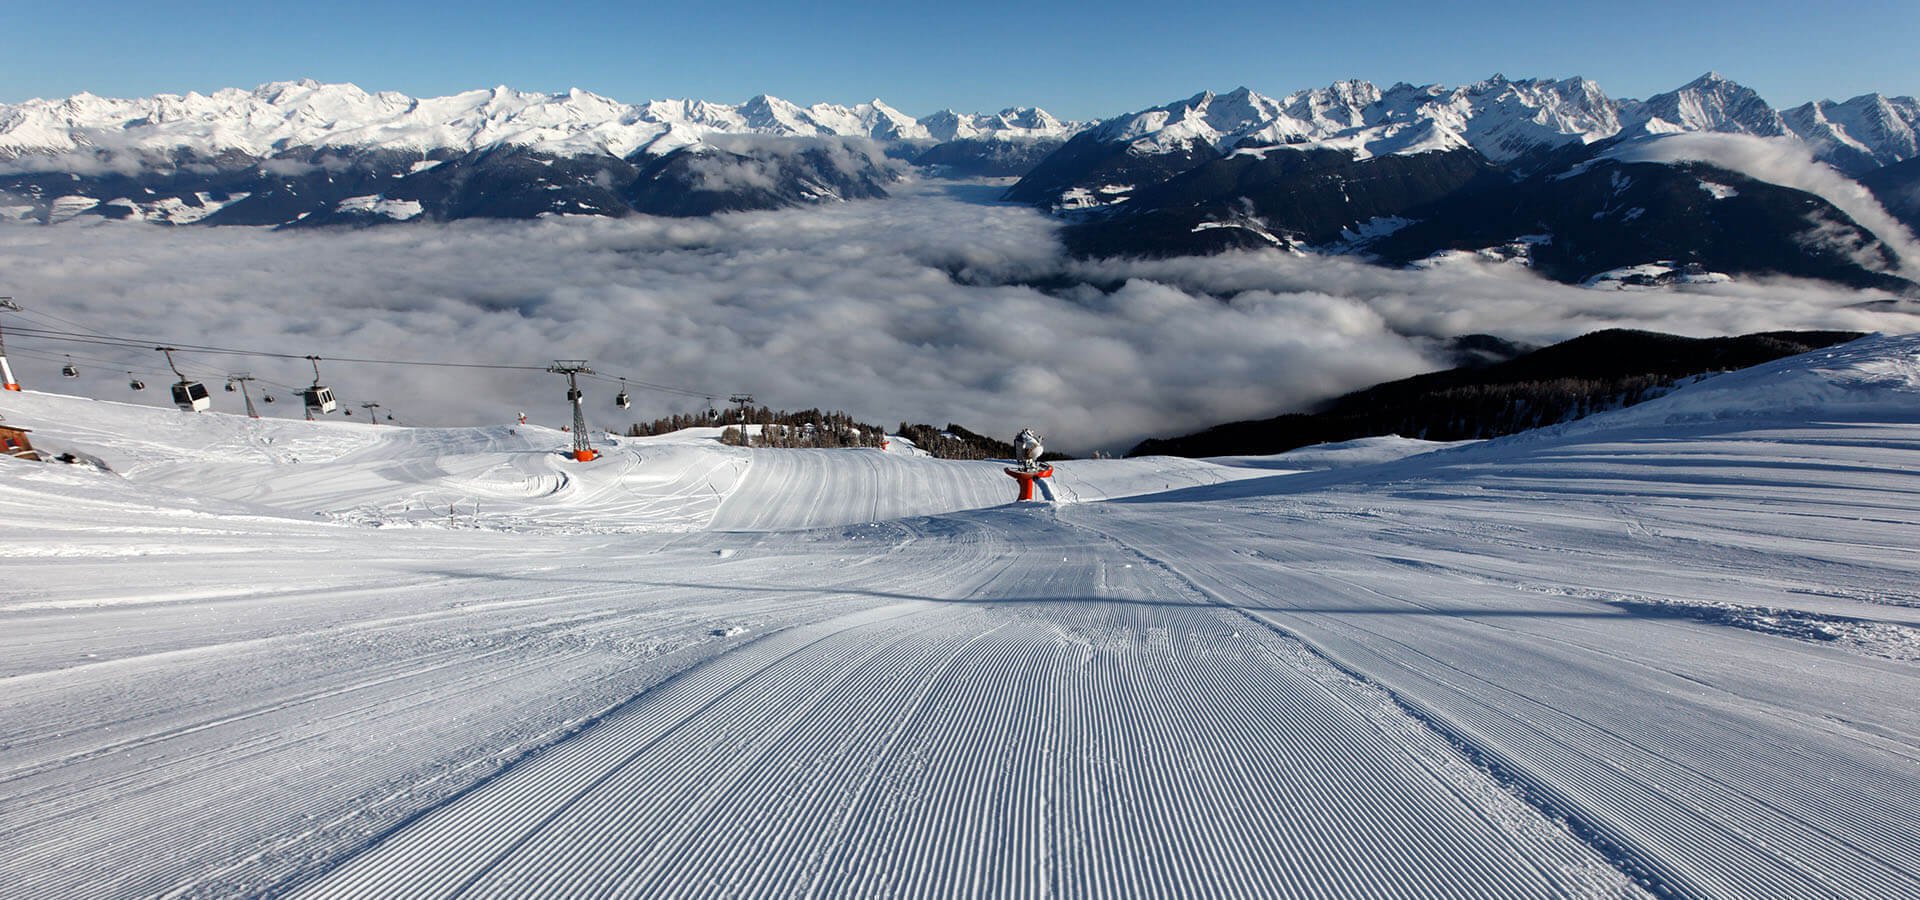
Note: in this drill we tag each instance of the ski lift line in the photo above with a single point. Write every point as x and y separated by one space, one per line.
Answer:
140 373
266 354
121 365
61 320
215 375
98 337
131 348
119 343
130 343
193 372
229 351
124 365
41 314
82 358
92 337
652 385
648 385
141 346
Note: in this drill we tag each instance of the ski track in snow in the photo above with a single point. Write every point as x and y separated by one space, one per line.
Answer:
1670 657
1107 734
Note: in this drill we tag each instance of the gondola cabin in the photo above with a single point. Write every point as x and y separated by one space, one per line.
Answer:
319 399
191 396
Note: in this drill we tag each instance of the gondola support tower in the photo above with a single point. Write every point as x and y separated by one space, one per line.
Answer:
574 368
743 401
6 370
241 378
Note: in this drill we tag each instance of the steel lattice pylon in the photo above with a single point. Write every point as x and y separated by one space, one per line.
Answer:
241 379
6 371
573 369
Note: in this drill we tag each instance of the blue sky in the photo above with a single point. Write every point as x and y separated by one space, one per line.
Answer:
1078 60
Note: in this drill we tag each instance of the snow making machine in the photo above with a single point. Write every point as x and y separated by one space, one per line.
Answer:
1027 447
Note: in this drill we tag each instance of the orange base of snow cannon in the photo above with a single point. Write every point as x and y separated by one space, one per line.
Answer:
585 455
1027 478
12 387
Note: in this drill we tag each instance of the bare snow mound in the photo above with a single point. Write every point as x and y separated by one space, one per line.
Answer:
1365 451
1878 375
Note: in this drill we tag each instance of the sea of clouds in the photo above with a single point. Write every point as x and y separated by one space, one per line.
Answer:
1789 163
936 305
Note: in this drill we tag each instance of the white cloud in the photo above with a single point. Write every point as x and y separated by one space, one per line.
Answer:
758 162
1784 162
288 168
854 306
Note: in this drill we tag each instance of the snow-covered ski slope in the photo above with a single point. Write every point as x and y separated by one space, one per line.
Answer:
1669 651
513 477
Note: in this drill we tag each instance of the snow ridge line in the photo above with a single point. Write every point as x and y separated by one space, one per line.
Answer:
1887 640
1855 634
292 884
1643 870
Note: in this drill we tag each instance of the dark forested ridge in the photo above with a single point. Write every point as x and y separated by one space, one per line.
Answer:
1592 373
816 428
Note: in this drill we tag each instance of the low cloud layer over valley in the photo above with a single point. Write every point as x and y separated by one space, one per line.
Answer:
936 304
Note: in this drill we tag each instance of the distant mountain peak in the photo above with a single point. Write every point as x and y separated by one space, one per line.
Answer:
1500 117
1711 102
1860 134
307 113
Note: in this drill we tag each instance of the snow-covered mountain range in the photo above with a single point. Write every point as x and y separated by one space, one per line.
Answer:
1400 173
307 114
1506 119
304 153
1503 119
1552 174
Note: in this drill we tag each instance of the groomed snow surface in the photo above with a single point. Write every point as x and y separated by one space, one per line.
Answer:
1670 651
